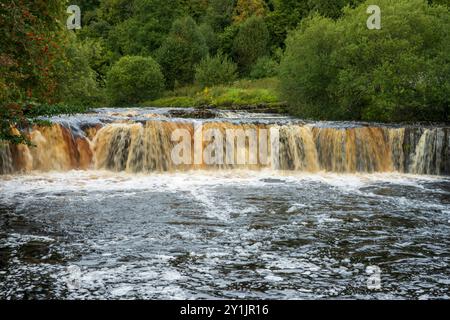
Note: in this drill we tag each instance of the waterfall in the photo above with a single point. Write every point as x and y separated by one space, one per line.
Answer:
353 150
298 149
6 161
431 151
148 145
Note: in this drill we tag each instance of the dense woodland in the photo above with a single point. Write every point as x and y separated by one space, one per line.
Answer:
324 60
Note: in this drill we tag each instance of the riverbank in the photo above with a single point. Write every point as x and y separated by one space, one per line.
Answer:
260 95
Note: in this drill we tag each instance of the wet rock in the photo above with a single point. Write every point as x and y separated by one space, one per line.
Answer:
36 252
193 113
273 108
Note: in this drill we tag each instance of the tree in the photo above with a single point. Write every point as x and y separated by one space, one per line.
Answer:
31 41
76 81
180 51
145 28
264 67
134 79
251 43
211 38
330 9
246 8
116 11
195 8
219 14
287 15
215 70
341 70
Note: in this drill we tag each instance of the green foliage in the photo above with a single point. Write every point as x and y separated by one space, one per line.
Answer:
247 8
211 38
232 97
215 70
333 68
289 13
32 44
219 14
240 94
194 8
341 70
173 102
440 2
226 38
264 67
251 42
116 11
181 50
331 9
77 83
134 79
146 29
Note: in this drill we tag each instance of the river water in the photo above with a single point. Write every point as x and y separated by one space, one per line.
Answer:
223 235
73 229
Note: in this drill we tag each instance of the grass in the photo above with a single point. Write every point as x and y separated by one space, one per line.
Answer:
256 95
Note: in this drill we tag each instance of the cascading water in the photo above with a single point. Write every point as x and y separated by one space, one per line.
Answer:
142 143
120 203
6 163
429 157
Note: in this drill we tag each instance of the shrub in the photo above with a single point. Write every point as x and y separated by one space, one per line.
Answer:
251 43
183 48
264 67
342 70
215 70
133 79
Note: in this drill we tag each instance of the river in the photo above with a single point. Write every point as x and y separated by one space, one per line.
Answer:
97 211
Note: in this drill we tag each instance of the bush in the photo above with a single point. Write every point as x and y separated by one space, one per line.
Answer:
251 43
264 67
215 70
133 79
342 70
181 51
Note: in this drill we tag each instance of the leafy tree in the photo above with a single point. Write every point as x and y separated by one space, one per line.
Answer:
264 67
180 51
215 70
246 8
146 28
134 79
219 14
251 43
116 11
330 9
341 70
195 8
211 38
77 81
287 14
31 41
227 37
